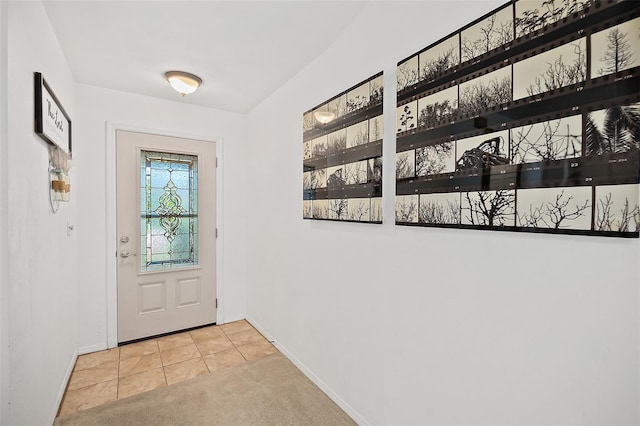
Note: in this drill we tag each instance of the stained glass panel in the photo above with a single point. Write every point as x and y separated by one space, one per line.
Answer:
168 210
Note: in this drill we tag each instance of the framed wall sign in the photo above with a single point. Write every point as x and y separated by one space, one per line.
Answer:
527 119
51 120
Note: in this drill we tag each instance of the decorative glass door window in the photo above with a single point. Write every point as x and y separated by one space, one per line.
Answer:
168 210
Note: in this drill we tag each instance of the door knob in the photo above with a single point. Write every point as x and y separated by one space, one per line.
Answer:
125 253
124 239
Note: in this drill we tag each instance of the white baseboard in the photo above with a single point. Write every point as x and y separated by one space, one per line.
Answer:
307 372
63 387
93 348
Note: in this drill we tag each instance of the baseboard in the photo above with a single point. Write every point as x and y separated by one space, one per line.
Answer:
307 372
63 387
93 348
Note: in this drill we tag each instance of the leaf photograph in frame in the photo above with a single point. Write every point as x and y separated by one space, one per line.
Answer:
51 120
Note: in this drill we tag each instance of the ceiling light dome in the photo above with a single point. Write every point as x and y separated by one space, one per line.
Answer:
324 117
183 82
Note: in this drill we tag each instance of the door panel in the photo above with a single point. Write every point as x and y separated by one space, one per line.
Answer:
166 234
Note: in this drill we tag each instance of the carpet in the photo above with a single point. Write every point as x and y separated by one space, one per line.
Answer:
267 391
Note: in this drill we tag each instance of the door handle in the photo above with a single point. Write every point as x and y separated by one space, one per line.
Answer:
125 253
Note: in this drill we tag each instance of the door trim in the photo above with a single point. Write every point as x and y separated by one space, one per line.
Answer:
111 314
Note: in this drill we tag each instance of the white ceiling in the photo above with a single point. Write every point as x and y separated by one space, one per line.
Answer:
242 50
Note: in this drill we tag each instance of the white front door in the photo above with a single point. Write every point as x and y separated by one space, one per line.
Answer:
165 225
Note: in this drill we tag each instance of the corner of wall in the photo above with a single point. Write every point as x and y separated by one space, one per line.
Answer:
4 302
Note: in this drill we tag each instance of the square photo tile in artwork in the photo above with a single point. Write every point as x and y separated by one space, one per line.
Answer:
486 150
434 159
439 107
359 209
439 58
487 91
615 49
407 208
488 34
555 208
406 164
488 208
551 70
407 117
408 73
547 141
442 209
617 208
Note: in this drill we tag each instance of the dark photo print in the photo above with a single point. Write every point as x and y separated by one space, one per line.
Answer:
484 92
434 159
339 106
488 34
336 177
307 121
488 208
306 180
533 15
553 69
407 208
338 209
376 209
407 117
356 173
438 107
439 208
547 141
307 209
617 208
319 178
319 147
376 128
307 150
405 164
358 134
555 208
376 89
374 170
320 209
358 98
613 130
359 209
336 141
408 73
615 49
439 58
479 152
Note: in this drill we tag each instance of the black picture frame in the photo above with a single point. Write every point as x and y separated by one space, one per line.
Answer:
51 121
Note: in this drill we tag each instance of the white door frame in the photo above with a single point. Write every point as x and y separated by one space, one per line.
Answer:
111 237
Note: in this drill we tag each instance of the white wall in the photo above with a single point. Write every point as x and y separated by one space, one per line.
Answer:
100 106
41 282
411 325
4 270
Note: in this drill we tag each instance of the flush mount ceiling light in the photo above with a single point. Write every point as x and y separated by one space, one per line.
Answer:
183 82
324 116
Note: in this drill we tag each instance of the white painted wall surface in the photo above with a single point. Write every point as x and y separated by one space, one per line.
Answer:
4 254
100 106
42 282
410 326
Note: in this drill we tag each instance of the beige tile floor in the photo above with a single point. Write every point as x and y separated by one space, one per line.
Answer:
105 376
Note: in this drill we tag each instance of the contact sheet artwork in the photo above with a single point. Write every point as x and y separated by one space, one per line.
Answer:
342 156
527 119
